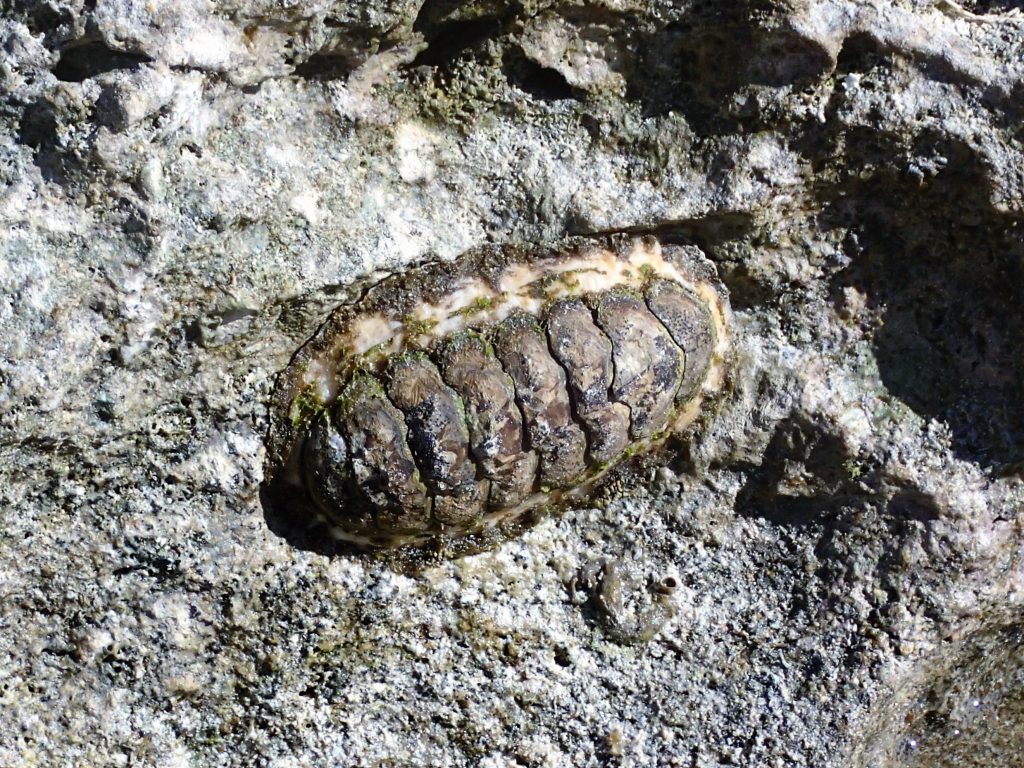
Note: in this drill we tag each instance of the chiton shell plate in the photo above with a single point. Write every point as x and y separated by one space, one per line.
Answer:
458 396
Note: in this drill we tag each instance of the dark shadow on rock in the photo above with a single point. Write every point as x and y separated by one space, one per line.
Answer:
83 60
697 66
288 519
911 504
862 52
450 41
326 66
40 129
944 271
986 7
293 520
805 477
55 22
450 30
542 83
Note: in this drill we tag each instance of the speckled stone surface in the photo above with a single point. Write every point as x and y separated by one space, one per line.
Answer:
823 575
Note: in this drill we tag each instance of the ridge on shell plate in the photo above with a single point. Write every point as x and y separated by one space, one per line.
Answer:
459 399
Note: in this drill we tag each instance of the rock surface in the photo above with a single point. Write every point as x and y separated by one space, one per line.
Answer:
188 188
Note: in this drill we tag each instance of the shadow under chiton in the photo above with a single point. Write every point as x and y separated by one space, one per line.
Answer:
457 397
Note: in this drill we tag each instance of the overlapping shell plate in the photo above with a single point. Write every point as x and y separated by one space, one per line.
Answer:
457 396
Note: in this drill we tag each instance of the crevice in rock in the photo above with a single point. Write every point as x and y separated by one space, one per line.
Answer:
860 53
987 7
447 42
542 83
325 66
84 60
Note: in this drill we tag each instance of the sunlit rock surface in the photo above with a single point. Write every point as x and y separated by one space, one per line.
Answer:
822 577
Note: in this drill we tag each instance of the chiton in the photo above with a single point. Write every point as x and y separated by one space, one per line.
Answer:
460 396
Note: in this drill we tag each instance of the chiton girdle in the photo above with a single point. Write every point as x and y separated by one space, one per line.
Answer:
458 397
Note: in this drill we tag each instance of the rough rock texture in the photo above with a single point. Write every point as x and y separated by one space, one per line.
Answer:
822 577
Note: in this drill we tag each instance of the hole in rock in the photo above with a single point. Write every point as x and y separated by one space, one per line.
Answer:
542 83
85 60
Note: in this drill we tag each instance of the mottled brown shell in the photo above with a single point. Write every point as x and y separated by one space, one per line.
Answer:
461 395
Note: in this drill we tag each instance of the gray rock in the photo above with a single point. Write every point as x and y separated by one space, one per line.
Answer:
187 191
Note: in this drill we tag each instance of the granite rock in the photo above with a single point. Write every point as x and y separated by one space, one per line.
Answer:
189 187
